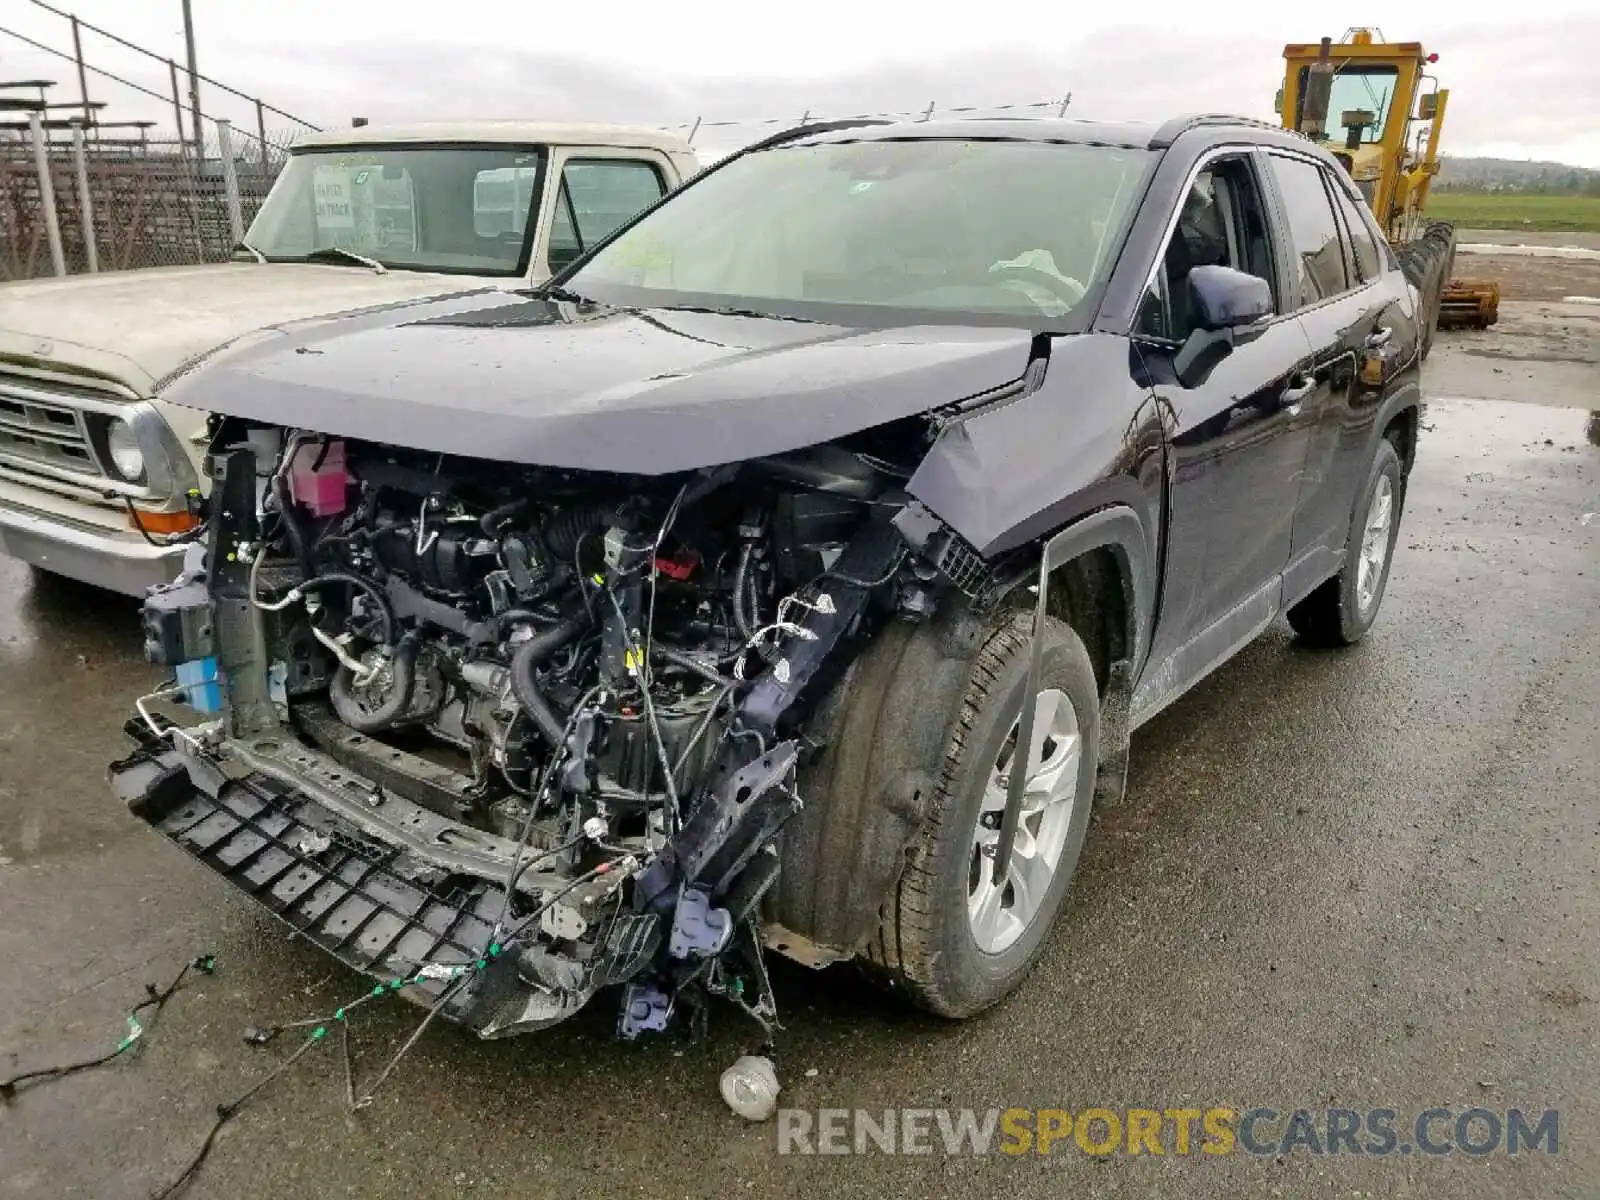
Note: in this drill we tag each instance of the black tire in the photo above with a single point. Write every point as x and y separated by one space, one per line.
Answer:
1333 614
1428 262
925 949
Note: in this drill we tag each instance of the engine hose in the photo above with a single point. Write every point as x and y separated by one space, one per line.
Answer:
291 524
385 609
743 621
740 620
524 666
689 663
403 683
491 521
527 616
562 531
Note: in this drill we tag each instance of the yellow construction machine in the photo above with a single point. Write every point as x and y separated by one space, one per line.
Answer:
1374 105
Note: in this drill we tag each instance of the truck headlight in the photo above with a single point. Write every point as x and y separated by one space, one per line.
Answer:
122 449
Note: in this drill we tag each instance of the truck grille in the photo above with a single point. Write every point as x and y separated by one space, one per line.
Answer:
47 433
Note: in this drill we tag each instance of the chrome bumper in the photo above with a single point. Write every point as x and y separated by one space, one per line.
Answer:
121 563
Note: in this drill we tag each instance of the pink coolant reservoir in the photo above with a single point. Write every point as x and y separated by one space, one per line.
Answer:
318 479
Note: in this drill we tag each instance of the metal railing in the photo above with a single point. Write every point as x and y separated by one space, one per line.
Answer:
749 129
75 28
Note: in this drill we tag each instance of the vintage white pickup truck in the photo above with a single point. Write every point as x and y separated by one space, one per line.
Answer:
95 470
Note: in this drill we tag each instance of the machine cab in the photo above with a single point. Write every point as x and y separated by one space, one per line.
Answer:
1370 103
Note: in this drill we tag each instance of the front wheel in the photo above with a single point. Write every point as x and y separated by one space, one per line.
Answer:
1340 611
953 939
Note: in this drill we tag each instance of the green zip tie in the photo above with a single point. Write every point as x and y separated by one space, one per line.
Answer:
338 1014
321 1031
135 1031
494 949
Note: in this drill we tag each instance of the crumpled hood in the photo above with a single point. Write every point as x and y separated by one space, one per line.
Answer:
134 327
652 391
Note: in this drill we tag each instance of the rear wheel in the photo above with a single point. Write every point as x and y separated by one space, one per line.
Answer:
1340 612
952 938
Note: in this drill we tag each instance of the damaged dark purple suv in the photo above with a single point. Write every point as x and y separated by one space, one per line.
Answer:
790 573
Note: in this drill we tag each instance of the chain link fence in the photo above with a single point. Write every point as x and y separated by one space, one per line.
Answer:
108 159
121 202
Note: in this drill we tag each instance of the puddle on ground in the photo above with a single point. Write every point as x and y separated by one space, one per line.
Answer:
1462 423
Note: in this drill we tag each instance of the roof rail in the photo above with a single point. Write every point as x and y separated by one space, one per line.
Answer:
784 135
1170 131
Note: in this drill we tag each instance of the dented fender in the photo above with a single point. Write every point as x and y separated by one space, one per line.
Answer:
1024 465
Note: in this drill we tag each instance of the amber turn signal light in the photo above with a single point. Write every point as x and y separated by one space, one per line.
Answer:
162 522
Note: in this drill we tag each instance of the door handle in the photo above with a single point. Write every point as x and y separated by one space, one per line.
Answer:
1379 337
1294 395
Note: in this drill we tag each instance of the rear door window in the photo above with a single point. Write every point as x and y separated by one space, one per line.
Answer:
1318 256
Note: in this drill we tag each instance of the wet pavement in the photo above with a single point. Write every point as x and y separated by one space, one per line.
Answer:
1541 352
1360 879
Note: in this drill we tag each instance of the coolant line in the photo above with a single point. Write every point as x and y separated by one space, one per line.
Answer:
524 665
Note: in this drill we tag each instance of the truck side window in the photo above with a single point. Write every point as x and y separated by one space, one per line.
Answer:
1222 223
1317 247
596 196
1361 239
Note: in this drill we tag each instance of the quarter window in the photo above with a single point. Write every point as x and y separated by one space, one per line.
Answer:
1361 239
596 196
1318 252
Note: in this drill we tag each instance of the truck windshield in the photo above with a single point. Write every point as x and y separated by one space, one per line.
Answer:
457 209
999 231
1357 88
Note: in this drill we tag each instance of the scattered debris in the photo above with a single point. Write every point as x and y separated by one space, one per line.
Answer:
750 1087
1565 996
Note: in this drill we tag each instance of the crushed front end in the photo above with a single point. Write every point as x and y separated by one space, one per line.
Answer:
513 734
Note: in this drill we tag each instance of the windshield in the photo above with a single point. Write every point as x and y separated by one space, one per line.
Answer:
1005 230
457 209
1367 89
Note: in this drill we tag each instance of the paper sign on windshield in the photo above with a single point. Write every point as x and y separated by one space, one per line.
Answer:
334 210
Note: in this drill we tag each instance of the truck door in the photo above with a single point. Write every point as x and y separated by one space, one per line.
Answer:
592 191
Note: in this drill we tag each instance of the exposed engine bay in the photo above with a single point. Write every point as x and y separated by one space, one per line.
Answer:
517 734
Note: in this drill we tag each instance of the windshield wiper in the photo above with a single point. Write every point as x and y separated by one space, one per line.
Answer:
339 252
561 293
259 257
734 312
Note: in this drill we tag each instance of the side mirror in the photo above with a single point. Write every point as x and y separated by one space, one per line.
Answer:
1222 298
1230 308
1428 106
1277 103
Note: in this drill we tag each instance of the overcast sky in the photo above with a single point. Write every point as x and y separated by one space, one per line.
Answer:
1522 82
